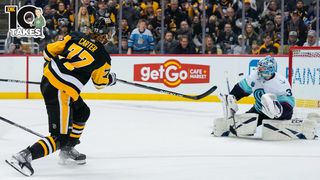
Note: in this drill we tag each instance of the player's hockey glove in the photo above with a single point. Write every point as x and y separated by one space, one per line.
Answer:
112 79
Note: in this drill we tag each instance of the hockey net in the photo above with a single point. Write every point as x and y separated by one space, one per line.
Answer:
304 77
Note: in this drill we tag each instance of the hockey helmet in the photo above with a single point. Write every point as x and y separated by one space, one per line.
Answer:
267 67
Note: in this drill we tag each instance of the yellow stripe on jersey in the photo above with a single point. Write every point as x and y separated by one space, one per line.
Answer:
53 143
45 149
57 47
100 76
59 85
64 110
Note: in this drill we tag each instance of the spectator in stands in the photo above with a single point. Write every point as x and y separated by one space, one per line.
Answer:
90 8
148 13
277 23
296 24
130 13
111 13
124 45
210 47
49 17
311 39
251 16
156 25
37 3
230 18
255 48
184 46
107 13
184 30
212 27
250 35
15 49
292 41
174 16
269 29
268 47
196 31
168 44
227 39
63 17
126 30
85 20
141 40
149 3
271 11
302 12
237 49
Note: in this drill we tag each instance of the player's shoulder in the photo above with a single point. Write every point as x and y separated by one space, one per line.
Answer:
281 78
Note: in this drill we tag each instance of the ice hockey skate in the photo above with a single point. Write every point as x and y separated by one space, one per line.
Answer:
69 155
22 162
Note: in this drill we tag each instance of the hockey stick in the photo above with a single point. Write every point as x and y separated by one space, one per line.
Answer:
233 127
21 127
19 81
197 97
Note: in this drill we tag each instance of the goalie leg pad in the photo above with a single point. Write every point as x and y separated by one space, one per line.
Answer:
246 125
288 129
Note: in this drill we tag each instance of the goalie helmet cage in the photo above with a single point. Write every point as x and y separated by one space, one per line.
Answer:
304 76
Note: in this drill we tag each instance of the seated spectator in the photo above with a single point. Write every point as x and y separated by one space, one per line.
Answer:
255 48
154 5
148 13
237 49
184 46
103 12
296 24
85 20
212 27
124 45
184 30
168 44
250 35
292 41
126 30
268 47
174 15
251 16
87 4
311 39
141 40
227 39
210 47
63 17
15 49
130 13
302 11
230 17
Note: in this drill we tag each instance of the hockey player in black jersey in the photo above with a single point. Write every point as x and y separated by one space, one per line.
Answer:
70 64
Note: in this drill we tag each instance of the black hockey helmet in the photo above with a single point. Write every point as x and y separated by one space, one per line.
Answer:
99 27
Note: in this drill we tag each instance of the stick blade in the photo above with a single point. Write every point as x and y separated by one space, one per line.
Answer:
205 94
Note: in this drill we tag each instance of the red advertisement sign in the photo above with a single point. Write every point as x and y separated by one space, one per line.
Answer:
172 73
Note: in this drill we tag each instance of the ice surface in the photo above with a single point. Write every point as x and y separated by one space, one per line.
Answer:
134 140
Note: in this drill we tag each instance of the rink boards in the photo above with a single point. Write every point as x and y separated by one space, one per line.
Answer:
192 74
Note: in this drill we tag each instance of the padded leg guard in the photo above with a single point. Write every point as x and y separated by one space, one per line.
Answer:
246 125
288 129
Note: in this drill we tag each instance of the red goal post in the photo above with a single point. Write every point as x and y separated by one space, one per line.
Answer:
304 77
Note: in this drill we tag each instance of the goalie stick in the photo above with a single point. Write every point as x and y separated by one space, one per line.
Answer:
197 97
21 127
234 126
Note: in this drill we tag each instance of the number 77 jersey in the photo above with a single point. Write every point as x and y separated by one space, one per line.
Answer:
73 61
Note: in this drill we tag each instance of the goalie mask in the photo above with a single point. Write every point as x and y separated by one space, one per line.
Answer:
267 67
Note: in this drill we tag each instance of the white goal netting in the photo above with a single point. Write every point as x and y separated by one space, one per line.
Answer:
304 75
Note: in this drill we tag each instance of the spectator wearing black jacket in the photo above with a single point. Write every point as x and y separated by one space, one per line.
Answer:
184 46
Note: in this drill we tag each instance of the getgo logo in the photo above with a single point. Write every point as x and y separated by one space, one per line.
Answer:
172 73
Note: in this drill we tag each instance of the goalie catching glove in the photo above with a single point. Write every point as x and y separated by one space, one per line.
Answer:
271 106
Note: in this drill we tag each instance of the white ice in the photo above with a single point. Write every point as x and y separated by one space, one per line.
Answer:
134 140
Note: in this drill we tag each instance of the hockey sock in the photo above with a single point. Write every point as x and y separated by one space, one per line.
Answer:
77 129
43 147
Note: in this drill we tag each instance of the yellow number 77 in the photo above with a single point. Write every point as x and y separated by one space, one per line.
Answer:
86 58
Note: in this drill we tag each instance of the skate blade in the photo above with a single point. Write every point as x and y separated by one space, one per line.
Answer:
19 169
68 162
